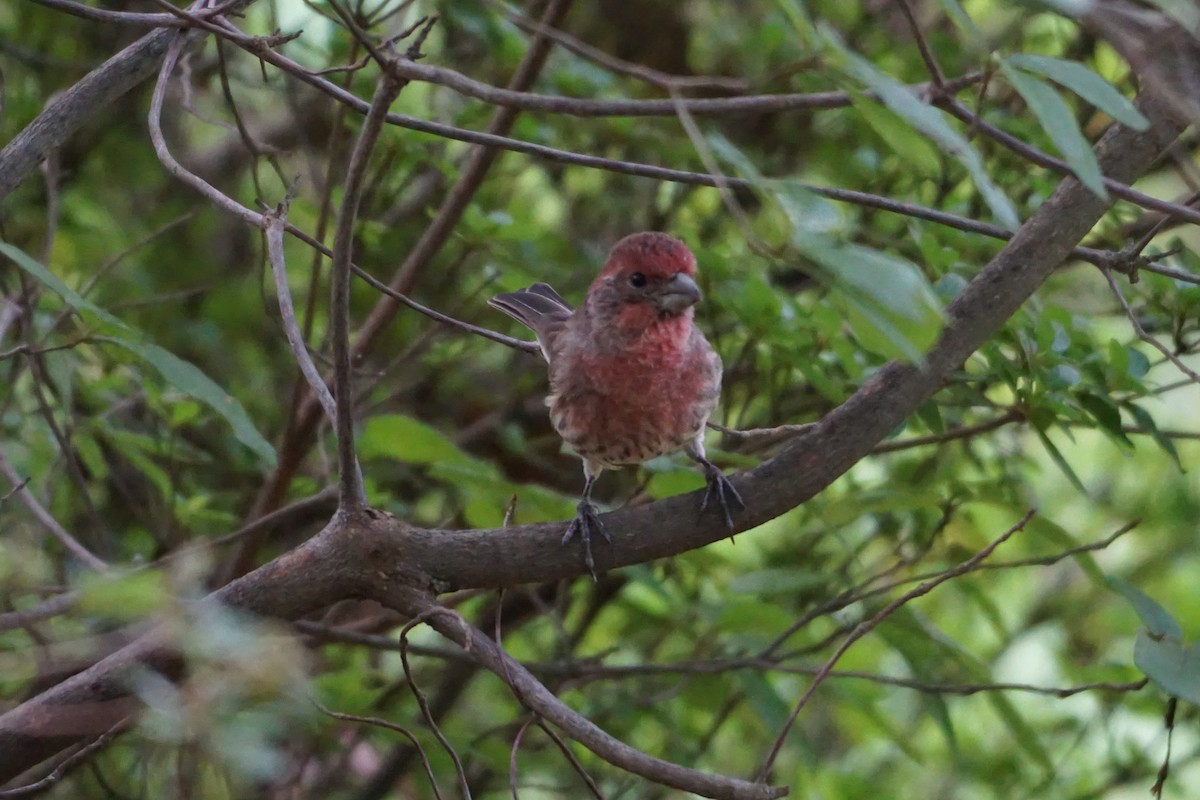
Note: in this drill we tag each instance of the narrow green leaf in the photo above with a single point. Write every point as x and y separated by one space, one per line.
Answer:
914 148
1057 457
1158 620
188 378
1087 84
1145 420
931 415
963 22
1022 731
778 581
1171 665
55 284
769 706
1059 123
1105 412
1042 527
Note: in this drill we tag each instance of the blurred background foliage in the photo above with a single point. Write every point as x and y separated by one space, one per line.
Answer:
700 658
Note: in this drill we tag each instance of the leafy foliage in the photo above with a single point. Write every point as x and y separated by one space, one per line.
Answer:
111 266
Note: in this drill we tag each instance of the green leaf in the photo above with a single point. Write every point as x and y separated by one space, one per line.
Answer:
963 22
1087 84
1171 665
402 438
1059 123
891 306
1146 421
1022 731
778 581
55 284
124 597
1063 376
1158 620
1105 412
179 373
1041 526
188 378
899 136
143 454
1139 365
931 414
769 707
933 123
1057 457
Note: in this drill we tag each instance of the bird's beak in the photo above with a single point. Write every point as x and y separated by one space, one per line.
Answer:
678 294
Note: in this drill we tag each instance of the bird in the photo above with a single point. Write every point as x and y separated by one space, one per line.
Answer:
631 375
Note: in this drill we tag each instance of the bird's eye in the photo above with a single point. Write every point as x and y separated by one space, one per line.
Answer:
637 280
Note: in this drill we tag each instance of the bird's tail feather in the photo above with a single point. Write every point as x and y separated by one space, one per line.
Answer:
539 307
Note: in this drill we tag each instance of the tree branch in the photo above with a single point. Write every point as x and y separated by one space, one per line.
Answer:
536 697
83 102
380 556
353 497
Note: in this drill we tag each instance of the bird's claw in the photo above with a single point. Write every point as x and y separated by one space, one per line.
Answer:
726 495
586 523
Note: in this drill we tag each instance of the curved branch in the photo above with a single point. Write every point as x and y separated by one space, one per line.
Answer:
535 696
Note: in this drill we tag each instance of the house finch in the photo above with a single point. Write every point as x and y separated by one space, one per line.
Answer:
631 376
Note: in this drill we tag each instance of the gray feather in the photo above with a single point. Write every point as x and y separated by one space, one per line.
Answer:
539 308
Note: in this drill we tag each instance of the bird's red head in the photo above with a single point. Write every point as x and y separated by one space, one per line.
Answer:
648 281
655 255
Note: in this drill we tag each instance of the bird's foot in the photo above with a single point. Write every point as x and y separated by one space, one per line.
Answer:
586 523
723 491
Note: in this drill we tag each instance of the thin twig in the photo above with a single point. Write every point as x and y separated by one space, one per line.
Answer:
423 702
46 518
572 759
581 671
512 755
493 139
931 63
154 120
583 107
620 66
391 726
25 349
764 433
1141 332
517 344
953 434
130 17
